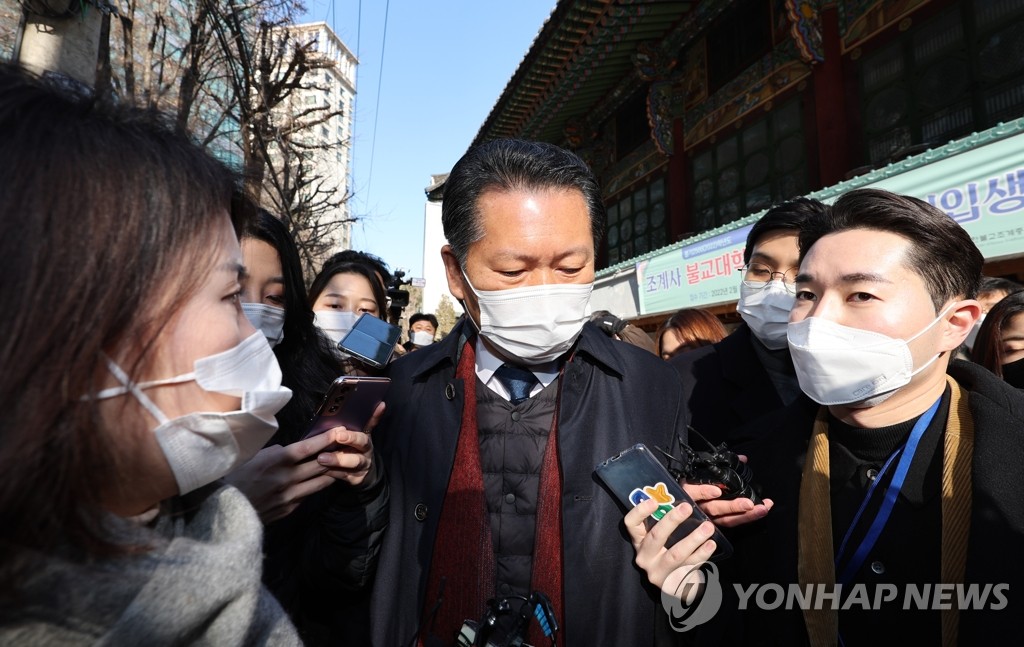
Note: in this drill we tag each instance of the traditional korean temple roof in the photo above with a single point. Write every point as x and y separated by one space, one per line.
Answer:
584 63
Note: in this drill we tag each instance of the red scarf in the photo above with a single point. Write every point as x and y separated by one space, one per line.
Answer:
463 553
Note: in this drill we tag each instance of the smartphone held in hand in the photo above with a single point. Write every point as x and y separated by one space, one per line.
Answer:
635 475
371 340
349 403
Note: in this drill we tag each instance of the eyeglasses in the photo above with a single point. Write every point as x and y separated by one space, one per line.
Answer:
758 275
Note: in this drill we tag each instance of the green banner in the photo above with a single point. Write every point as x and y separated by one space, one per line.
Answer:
979 186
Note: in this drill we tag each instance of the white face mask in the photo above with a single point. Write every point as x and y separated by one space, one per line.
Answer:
267 319
334 323
973 335
535 324
766 311
201 447
836 364
421 338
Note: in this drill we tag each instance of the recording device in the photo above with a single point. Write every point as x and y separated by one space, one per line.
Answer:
474 634
610 324
371 340
716 466
635 475
349 403
398 299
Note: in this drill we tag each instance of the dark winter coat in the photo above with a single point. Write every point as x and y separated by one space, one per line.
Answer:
613 396
766 551
726 389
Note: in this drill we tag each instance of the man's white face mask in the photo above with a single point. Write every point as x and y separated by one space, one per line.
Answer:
766 311
836 364
535 324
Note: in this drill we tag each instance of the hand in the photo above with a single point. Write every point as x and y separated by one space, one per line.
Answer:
652 556
278 478
353 461
727 514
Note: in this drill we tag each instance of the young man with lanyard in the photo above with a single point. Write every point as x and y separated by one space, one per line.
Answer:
908 474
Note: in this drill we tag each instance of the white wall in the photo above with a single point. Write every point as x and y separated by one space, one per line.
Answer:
433 268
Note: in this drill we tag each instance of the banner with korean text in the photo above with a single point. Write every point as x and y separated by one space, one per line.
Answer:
979 186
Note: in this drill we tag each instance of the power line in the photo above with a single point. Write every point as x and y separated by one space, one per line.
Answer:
376 110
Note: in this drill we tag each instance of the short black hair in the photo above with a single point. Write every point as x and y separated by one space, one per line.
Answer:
420 316
790 216
941 251
512 165
991 284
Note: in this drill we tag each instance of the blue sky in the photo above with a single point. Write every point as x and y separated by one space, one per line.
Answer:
445 65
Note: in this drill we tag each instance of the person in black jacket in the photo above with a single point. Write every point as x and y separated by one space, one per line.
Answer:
730 385
324 511
901 488
491 436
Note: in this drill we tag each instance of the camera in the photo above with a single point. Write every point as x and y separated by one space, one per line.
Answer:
715 466
538 606
398 299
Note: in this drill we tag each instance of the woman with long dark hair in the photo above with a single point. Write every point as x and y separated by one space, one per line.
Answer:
999 346
323 526
132 381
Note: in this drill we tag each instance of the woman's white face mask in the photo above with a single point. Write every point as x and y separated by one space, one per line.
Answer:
335 323
203 446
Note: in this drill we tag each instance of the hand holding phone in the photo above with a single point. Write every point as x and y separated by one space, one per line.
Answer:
636 475
349 403
355 403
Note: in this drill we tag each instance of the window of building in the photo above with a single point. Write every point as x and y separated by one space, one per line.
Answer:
740 36
960 72
638 222
750 170
631 126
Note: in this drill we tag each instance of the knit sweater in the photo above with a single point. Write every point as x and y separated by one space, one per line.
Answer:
198 583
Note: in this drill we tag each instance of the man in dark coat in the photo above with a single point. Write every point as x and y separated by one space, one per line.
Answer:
490 437
901 488
729 386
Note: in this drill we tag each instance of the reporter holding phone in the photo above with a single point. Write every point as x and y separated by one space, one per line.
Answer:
324 505
340 293
132 381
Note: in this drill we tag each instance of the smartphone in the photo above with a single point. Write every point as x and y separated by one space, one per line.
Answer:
371 340
635 475
349 403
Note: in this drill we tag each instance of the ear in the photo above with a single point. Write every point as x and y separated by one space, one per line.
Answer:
959 321
456 282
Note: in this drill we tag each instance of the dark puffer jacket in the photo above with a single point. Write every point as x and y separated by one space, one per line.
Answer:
512 443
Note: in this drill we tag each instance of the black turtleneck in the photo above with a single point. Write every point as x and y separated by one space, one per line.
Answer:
856 455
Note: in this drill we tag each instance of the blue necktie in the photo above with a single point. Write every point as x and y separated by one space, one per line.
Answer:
518 381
